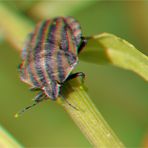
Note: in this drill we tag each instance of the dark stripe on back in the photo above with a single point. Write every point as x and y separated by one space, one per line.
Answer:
71 58
64 41
51 33
70 21
50 48
60 67
71 40
31 76
29 59
37 55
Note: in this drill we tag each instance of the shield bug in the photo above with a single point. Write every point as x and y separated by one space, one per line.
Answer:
50 55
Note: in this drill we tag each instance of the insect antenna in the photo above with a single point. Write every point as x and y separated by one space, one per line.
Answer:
25 109
69 103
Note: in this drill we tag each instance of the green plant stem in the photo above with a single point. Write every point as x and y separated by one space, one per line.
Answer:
87 117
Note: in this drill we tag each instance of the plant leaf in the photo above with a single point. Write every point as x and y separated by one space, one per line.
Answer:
110 49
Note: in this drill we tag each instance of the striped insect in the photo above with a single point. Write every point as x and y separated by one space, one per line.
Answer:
50 55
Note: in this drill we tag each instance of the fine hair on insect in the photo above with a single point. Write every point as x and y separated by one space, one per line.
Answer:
49 56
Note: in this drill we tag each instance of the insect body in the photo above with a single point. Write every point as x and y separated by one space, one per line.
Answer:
50 55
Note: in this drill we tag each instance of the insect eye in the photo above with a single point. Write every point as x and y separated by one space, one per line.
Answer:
20 66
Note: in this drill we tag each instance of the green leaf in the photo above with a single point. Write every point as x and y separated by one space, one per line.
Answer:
110 49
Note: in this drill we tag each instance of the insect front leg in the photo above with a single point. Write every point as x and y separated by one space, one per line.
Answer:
75 75
40 96
37 100
34 89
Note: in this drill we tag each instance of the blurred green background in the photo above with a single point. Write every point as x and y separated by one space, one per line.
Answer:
121 96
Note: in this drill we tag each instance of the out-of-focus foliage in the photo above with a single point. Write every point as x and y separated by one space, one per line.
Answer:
6 140
122 96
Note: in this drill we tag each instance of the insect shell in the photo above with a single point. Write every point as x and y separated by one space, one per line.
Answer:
50 55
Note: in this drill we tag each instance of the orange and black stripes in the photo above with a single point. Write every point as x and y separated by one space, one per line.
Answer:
51 54
75 29
39 55
35 68
52 47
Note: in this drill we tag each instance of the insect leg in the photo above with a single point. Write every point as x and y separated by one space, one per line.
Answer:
37 100
69 103
39 96
26 108
75 75
83 43
34 89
